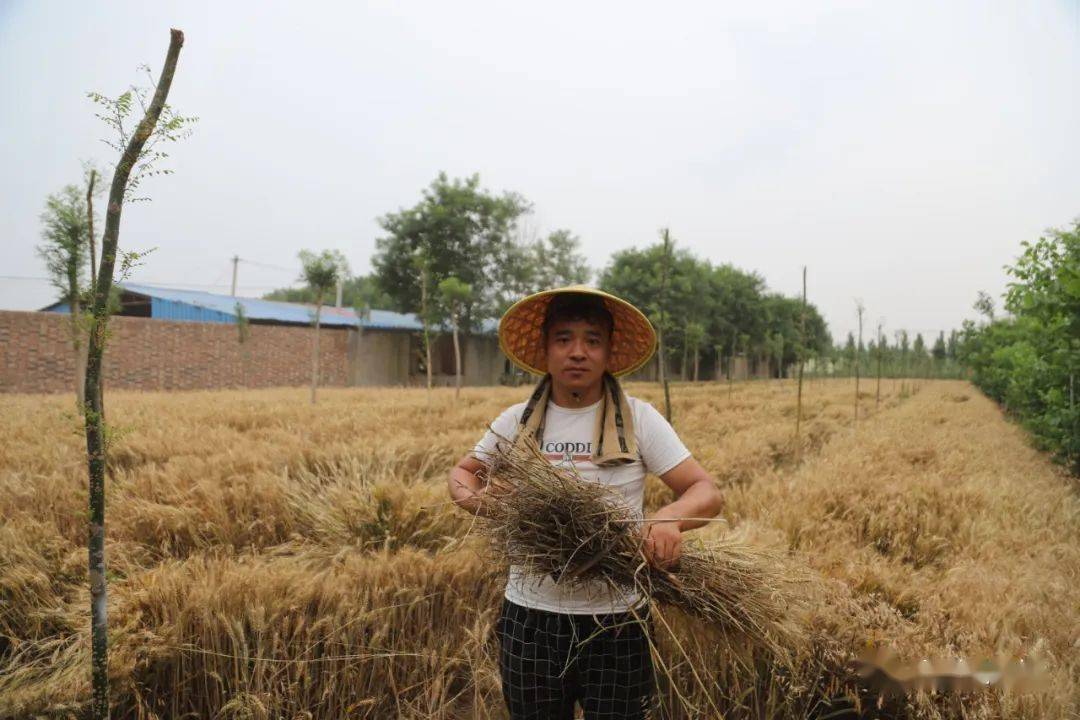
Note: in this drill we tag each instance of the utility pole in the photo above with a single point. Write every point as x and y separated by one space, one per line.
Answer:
666 236
802 353
880 342
337 303
235 262
859 309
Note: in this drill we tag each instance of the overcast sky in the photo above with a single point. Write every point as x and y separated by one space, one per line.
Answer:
901 150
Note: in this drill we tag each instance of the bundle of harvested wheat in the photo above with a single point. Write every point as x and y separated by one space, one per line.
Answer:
548 520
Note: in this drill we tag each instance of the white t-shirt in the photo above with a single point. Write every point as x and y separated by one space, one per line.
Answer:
568 441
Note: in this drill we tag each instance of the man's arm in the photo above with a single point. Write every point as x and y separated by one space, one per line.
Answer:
466 488
696 496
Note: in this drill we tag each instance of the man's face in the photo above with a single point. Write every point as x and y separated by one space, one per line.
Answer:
577 353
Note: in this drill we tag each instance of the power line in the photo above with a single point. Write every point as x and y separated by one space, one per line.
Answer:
268 266
162 283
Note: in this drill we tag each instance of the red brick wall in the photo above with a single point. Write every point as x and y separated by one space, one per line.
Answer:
147 354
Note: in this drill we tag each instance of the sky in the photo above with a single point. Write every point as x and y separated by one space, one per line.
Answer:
901 151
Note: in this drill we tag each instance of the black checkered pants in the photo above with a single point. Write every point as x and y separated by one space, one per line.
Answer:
550 660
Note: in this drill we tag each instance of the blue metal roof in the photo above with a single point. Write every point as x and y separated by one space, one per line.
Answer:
199 306
172 304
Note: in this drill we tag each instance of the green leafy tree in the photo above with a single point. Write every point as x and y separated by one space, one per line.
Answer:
918 348
727 302
462 231
455 294
357 291
559 261
65 249
1029 362
529 266
639 277
320 271
903 344
940 352
735 306
694 336
782 317
984 305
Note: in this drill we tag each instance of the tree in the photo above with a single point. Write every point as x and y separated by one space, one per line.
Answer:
940 351
984 305
639 276
734 305
158 124
665 274
903 343
919 347
462 231
695 336
357 291
91 172
727 302
777 347
952 345
64 250
783 317
557 262
455 294
802 361
321 272
860 310
880 353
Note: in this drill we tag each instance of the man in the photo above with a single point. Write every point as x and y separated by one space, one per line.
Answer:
560 643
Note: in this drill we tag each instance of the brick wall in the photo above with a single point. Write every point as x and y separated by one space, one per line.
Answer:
146 354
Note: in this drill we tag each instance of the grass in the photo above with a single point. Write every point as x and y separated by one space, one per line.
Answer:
272 559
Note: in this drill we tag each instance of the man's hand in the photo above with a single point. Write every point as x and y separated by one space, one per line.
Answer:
663 542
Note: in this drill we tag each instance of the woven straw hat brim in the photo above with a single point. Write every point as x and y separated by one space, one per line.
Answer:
633 340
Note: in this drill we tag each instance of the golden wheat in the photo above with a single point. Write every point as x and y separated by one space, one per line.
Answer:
272 559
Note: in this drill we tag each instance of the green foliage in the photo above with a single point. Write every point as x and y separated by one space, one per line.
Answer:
454 292
939 352
65 249
358 291
782 318
243 328
552 262
461 230
718 307
1030 362
918 348
123 113
321 270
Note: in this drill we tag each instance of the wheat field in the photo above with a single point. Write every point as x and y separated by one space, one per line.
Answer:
271 559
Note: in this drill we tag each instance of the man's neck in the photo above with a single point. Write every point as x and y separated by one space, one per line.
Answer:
573 399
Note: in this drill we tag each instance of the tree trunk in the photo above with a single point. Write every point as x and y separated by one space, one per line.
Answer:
427 333
802 352
90 228
94 420
685 358
457 360
315 346
730 370
79 347
663 315
697 358
877 399
663 377
857 371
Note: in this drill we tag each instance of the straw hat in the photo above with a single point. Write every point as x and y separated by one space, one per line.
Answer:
521 334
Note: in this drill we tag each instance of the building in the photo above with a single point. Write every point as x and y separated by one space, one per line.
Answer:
187 339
